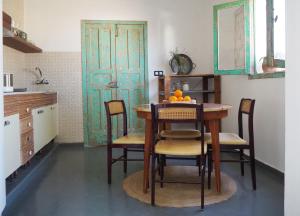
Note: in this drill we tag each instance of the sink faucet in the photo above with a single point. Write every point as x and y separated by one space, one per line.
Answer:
41 79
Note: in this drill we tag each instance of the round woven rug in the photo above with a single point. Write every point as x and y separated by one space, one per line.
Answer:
180 195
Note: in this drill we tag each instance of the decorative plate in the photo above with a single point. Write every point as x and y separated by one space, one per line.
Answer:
181 64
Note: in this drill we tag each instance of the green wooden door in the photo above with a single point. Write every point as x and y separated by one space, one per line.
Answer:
112 51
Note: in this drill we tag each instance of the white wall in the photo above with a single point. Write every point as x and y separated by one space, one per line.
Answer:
269 126
292 174
55 26
2 178
15 8
269 110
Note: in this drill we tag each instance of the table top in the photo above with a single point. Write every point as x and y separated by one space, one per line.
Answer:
208 107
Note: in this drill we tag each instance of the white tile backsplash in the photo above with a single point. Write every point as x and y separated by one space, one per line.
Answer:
14 63
63 71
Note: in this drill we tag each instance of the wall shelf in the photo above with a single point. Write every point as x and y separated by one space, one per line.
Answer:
208 88
21 45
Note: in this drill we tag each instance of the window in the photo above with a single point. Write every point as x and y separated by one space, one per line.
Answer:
269 28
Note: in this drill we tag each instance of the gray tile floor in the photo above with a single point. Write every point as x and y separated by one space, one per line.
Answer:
72 181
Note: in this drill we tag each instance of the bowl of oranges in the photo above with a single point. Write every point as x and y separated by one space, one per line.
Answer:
178 97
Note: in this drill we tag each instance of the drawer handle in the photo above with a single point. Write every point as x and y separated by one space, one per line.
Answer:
27 110
40 111
29 124
30 152
6 123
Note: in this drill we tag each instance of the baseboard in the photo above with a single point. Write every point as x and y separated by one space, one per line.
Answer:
71 144
272 169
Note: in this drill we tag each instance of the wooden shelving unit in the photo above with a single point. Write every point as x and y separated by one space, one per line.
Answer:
21 45
208 87
15 42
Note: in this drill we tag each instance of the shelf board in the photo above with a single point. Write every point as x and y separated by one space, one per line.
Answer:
193 75
192 92
21 45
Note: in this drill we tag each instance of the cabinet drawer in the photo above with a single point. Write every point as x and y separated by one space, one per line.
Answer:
25 110
26 124
27 149
27 139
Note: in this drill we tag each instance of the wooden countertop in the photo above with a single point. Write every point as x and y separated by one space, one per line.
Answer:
17 102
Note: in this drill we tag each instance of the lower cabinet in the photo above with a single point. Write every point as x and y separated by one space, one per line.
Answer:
12 143
30 123
44 125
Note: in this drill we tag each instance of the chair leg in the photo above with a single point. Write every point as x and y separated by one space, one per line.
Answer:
109 164
125 160
209 161
161 170
202 164
153 179
253 171
199 165
164 160
242 162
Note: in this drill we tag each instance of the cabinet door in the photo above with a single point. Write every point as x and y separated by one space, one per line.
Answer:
48 124
12 143
55 119
40 133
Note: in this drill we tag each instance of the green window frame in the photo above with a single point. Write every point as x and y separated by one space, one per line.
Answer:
216 9
269 58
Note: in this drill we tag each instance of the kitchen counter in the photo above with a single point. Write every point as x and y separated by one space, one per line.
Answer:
19 102
29 92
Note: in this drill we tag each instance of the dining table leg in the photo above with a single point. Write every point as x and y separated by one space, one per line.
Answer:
148 140
214 126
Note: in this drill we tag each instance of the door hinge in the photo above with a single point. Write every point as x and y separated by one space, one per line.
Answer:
116 30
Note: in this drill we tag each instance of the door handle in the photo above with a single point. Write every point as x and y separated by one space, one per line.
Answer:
113 84
40 111
6 123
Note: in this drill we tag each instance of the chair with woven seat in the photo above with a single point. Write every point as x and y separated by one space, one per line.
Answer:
176 113
127 142
230 142
180 134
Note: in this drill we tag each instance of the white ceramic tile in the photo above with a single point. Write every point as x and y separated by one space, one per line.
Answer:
14 63
63 71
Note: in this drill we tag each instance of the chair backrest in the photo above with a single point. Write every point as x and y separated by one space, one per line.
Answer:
114 108
246 108
177 113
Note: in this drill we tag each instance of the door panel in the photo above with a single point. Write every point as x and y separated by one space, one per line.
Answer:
130 65
100 71
113 52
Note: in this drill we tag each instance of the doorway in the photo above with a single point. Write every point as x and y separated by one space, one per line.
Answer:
114 66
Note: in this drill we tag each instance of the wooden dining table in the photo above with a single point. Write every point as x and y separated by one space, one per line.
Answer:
213 113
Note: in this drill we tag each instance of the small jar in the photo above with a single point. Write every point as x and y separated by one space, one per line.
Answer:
185 86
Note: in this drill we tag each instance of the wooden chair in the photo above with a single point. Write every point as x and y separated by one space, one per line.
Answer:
176 113
128 142
230 142
180 134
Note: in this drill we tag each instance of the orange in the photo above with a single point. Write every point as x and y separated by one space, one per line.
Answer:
178 93
187 98
180 99
172 98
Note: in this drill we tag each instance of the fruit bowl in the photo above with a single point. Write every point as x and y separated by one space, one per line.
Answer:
179 98
181 102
